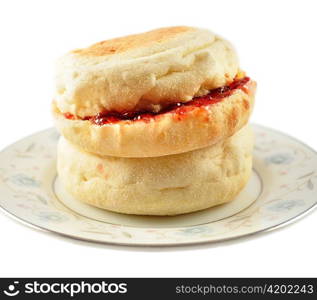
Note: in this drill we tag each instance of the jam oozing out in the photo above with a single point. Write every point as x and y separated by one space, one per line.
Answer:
214 96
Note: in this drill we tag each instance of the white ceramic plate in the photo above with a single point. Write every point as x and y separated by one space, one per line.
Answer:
282 188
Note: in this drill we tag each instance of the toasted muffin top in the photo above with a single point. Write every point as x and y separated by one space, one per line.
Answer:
143 71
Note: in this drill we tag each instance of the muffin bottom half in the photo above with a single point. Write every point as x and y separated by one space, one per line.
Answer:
166 185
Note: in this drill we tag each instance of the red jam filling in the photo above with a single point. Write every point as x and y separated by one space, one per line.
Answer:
214 96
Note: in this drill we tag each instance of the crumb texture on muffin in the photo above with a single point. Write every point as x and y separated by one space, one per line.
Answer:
167 185
143 71
168 134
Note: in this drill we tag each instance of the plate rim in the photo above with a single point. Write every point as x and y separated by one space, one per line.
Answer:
281 225
152 244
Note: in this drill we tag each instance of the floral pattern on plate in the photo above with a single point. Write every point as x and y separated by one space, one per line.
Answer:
286 167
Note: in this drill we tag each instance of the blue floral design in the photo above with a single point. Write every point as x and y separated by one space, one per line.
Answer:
51 217
281 206
23 180
196 230
280 159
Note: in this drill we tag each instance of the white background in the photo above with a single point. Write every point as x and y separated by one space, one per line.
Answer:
276 41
